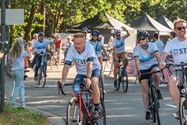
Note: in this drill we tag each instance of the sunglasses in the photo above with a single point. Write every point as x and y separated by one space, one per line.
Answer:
180 28
118 35
141 38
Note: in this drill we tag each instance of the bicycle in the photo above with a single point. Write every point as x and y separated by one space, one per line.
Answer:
122 78
183 92
42 71
153 98
80 109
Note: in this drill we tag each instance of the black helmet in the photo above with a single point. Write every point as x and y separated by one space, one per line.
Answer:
117 31
143 34
41 34
95 33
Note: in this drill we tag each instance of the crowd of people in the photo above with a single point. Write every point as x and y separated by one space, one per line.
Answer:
86 53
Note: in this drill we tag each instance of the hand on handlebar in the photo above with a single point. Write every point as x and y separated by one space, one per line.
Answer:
88 83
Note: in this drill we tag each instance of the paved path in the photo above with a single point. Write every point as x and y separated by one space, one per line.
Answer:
121 109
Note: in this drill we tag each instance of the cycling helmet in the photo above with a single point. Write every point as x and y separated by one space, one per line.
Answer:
143 34
95 33
41 34
117 31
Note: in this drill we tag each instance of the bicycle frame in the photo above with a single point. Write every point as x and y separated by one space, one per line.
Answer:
83 108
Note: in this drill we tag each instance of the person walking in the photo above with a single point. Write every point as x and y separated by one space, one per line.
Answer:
17 54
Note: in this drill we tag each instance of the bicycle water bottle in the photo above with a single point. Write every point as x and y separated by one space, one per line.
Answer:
77 89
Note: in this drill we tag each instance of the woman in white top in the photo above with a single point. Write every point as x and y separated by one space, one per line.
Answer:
17 55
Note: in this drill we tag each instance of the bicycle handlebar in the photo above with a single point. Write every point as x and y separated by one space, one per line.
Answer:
61 88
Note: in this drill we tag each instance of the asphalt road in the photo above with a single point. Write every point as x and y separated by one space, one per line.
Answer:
121 108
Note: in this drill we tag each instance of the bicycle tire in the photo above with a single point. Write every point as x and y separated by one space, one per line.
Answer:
73 114
182 111
118 82
101 88
151 105
39 75
125 82
156 107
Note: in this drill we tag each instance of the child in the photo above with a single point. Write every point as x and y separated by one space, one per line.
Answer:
17 55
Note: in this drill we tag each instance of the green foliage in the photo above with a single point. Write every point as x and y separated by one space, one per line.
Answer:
63 13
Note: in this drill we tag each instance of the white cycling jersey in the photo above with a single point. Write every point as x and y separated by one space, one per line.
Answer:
119 45
147 60
177 49
80 59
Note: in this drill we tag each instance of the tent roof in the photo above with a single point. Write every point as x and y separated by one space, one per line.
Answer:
149 24
95 22
165 21
117 24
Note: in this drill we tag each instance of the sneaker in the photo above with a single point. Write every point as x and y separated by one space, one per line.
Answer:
176 115
35 78
96 114
159 94
148 115
115 83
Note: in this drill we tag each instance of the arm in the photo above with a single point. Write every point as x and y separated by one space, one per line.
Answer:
104 50
137 64
157 56
89 68
65 71
114 53
128 34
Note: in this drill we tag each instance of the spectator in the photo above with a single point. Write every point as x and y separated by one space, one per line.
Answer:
17 54
57 47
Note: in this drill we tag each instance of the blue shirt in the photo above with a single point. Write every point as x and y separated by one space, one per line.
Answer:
147 60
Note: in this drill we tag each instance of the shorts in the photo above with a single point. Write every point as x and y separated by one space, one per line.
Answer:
80 78
58 51
142 77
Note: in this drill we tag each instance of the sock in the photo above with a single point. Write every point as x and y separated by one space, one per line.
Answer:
96 106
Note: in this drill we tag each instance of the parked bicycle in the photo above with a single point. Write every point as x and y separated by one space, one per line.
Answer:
153 98
122 78
80 108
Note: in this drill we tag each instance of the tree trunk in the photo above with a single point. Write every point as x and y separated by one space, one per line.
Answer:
28 28
43 12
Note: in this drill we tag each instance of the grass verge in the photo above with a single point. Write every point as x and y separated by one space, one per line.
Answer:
21 116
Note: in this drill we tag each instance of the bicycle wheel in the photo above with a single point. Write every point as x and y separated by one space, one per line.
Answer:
43 77
101 87
118 82
39 75
73 112
125 81
155 105
183 111
151 105
102 119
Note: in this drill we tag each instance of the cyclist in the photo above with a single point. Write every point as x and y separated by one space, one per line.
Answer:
87 67
147 58
177 48
98 45
40 47
119 51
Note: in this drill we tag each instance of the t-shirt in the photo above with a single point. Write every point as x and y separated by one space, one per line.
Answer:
18 62
41 46
177 49
81 59
147 60
98 45
119 44
57 43
160 46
